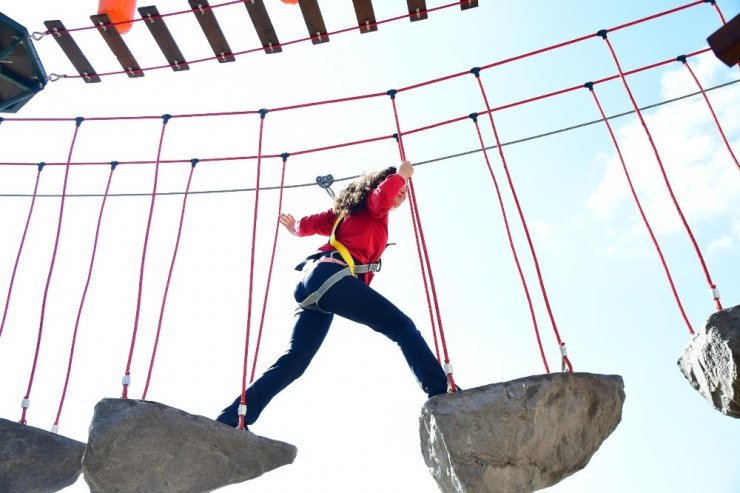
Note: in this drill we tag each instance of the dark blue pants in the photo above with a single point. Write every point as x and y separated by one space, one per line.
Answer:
352 299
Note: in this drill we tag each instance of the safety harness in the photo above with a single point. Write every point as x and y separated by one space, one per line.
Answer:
352 269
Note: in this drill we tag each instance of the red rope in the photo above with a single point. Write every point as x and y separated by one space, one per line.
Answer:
243 400
269 271
27 397
642 213
127 374
84 296
712 286
711 110
420 231
20 247
511 244
329 147
561 344
422 268
169 278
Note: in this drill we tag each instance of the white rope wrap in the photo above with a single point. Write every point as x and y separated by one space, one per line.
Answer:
55 429
25 403
126 379
448 368
715 293
563 350
242 409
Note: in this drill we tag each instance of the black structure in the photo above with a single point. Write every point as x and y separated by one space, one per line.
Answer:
21 72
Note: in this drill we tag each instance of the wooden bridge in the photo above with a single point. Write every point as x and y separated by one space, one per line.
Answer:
203 12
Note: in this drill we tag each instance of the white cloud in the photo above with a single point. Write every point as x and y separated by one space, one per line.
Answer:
703 176
721 244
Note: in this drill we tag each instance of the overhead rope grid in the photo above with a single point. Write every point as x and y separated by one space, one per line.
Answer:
399 136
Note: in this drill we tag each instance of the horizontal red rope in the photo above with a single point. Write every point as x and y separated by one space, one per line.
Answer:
373 95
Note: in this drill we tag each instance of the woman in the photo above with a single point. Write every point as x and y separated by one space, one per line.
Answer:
336 282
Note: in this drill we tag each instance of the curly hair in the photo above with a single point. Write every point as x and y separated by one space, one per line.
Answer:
353 197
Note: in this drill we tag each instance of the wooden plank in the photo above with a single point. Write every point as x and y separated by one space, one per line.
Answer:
211 28
417 10
263 25
116 44
156 25
72 50
725 42
314 21
365 15
468 4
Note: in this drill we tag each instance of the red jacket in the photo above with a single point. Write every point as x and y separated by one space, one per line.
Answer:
364 233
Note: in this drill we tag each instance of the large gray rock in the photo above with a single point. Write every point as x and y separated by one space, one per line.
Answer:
137 446
710 361
518 436
37 461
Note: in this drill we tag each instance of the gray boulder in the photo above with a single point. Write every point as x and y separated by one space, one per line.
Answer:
710 361
33 460
518 436
137 446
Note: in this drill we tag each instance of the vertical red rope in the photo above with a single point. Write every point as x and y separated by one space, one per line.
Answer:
422 268
721 17
566 361
474 117
711 110
426 284
127 374
269 271
27 397
82 299
243 401
712 286
420 230
20 247
169 278
640 209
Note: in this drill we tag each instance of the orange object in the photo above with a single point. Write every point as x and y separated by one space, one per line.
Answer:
118 11
292 2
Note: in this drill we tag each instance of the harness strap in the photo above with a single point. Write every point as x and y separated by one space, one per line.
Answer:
343 251
312 299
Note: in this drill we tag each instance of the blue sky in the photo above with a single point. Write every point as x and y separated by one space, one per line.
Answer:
354 414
